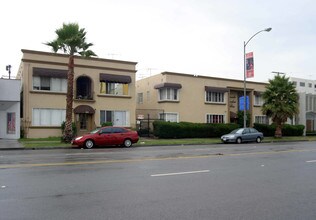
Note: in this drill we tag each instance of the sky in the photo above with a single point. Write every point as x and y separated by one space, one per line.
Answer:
200 37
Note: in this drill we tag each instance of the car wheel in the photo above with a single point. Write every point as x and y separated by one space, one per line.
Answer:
238 140
127 143
258 140
89 144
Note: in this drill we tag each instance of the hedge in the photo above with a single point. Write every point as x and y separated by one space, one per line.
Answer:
164 129
287 130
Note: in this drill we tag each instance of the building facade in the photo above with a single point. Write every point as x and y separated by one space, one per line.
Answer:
307 103
10 108
181 97
104 91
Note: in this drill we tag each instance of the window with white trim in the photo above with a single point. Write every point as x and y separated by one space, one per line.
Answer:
172 117
117 117
110 88
49 84
258 100
261 119
217 97
215 119
48 117
168 94
140 98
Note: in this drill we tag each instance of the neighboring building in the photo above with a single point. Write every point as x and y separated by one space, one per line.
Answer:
10 108
104 91
181 97
307 103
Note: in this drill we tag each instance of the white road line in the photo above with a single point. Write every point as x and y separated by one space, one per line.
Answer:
311 161
180 173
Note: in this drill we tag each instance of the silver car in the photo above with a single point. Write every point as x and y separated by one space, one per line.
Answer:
243 135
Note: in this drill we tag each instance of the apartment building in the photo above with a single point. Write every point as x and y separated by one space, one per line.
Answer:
10 108
104 91
182 97
307 103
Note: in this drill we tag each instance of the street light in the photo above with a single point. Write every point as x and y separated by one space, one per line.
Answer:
245 44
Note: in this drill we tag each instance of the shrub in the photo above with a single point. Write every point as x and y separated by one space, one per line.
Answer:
287 130
74 128
164 129
108 123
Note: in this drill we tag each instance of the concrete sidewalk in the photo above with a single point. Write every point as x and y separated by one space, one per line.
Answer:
10 144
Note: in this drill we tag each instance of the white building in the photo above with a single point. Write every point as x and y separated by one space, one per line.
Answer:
10 108
307 103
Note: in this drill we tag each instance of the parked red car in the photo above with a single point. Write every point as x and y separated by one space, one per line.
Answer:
107 136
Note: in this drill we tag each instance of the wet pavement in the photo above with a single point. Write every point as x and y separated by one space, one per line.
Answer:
10 144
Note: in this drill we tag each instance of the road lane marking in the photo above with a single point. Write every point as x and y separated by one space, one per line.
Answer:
8 166
180 173
311 161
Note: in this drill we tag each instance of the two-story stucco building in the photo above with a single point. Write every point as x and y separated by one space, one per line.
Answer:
307 103
181 97
104 91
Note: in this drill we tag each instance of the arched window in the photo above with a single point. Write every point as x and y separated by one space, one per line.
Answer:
84 88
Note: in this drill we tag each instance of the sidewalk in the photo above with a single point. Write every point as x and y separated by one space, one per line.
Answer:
9 144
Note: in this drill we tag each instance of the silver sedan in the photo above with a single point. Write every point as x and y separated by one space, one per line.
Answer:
243 135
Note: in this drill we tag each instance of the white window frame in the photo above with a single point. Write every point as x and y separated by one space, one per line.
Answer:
210 120
168 94
48 116
258 100
115 88
166 114
214 97
113 113
140 98
55 84
261 119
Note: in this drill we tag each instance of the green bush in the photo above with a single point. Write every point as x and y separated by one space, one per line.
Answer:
164 129
287 130
107 124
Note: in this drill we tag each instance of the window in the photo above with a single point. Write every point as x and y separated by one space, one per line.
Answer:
310 85
48 117
258 100
214 97
49 84
261 119
118 118
215 119
84 88
10 123
110 88
139 98
302 84
148 96
295 83
168 94
172 117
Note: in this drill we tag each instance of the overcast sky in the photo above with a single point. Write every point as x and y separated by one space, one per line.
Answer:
203 37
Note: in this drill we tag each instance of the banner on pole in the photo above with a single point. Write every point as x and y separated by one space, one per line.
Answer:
249 65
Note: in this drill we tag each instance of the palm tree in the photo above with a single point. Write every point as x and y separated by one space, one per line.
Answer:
71 40
280 101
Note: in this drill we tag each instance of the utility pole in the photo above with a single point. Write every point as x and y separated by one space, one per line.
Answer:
8 68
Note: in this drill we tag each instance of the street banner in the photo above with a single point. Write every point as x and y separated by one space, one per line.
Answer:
249 65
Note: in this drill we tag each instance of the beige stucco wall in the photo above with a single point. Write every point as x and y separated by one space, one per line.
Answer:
192 106
90 67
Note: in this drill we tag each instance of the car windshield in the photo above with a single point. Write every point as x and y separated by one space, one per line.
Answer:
94 131
236 131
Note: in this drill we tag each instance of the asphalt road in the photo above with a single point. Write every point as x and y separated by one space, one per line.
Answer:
249 181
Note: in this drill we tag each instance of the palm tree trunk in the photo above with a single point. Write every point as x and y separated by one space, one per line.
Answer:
278 131
68 134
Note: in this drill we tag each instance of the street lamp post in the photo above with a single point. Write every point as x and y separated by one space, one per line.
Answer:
245 100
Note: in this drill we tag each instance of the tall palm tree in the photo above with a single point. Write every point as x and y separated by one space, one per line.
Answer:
71 40
280 101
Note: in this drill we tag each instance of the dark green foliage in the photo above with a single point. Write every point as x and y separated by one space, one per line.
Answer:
164 129
107 124
240 116
287 130
74 127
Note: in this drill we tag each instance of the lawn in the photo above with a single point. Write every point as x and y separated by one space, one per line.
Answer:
55 142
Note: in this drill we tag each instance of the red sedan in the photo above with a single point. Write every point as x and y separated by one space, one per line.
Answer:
107 136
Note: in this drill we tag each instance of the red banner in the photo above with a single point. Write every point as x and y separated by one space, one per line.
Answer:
249 65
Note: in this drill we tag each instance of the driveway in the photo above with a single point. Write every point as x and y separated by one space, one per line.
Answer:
10 144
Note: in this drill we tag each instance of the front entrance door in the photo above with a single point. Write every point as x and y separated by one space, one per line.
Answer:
84 123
